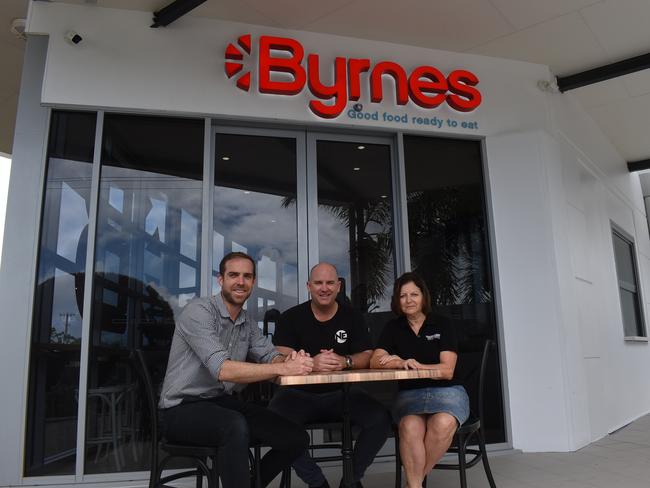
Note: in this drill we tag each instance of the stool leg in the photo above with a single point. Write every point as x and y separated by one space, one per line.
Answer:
398 461
484 458
462 441
257 466
285 481
213 481
114 427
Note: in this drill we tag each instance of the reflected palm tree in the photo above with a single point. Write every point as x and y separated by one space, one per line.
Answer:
447 247
371 247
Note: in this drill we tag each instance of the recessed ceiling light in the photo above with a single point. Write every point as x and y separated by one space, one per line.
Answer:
361 147
384 196
226 158
273 221
356 168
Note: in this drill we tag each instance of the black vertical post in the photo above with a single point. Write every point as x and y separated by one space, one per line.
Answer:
348 474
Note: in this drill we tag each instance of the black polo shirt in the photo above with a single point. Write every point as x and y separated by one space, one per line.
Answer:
436 335
345 333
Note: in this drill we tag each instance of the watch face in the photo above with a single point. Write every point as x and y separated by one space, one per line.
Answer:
348 361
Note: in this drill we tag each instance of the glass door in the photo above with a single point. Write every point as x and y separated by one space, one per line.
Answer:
353 214
259 207
292 199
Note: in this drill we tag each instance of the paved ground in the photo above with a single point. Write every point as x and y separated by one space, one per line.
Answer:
620 460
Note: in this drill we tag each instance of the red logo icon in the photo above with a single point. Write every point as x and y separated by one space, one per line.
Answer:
233 53
425 86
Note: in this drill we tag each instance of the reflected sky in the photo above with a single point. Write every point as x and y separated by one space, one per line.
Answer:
149 229
66 318
67 191
72 221
258 224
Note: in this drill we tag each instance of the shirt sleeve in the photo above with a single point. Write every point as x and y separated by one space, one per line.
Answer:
196 325
360 340
448 335
387 339
285 332
260 347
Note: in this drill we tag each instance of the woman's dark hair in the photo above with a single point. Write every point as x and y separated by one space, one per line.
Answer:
414 278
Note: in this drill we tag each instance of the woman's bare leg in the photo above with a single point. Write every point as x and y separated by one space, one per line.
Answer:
412 430
440 432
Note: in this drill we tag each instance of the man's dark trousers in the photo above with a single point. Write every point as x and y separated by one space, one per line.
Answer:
366 413
230 425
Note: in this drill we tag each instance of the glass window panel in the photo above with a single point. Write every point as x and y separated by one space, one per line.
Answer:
187 276
71 223
448 242
633 324
624 256
630 311
218 246
189 233
289 281
266 274
116 198
238 247
155 220
255 212
355 225
111 266
156 163
51 437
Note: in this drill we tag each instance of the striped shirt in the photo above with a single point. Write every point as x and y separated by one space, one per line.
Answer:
205 336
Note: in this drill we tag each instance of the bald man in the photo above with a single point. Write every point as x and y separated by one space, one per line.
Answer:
336 338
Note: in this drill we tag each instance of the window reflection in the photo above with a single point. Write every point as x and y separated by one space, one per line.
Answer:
355 224
449 246
56 329
147 266
255 213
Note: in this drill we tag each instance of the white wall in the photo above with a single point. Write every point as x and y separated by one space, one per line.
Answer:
555 193
18 267
528 287
591 189
555 184
5 167
185 64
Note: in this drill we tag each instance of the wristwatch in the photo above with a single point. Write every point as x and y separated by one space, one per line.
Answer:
348 362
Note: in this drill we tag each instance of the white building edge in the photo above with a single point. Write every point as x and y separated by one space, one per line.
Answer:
556 187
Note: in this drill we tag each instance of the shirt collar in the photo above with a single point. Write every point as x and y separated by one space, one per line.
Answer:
223 310
428 322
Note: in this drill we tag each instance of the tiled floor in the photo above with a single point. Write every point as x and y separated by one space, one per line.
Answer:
620 460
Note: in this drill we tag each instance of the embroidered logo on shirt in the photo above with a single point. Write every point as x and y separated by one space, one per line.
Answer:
341 336
432 337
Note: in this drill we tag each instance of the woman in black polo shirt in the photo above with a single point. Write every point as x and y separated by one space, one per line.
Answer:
428 410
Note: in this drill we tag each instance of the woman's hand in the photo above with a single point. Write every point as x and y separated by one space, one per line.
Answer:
412 364
388 358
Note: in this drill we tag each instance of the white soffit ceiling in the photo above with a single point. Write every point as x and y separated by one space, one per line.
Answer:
568 35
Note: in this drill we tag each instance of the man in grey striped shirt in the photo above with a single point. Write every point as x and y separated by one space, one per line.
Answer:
216 350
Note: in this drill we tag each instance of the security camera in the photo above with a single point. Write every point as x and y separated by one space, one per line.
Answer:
73 37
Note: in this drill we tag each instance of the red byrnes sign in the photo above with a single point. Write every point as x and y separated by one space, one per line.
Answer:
426 86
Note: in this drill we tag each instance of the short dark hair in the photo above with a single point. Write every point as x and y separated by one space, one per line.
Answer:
416 279
235 255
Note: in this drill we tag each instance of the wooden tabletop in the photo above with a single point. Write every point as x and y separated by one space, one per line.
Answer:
357 376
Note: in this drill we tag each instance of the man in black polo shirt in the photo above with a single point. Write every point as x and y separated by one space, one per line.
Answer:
336 338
